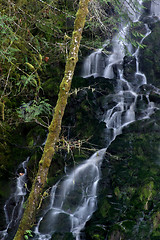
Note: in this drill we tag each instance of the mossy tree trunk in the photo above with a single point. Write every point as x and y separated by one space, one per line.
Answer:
55 126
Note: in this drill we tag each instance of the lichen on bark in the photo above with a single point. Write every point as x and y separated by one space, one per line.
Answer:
55 126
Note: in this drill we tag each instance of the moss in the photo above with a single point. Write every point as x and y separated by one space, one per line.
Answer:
60 236
117 192
36 136
130 184
104 208
147 192
149 56
96 233
97 237
116 234
156 222
51 87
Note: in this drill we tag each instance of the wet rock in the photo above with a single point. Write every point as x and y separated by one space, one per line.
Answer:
150 56
62 236
129 187
60 224
129 66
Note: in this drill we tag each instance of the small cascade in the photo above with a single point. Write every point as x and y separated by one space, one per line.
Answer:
94 64
73 200
140 77
99 65
155 8
116 58
13 207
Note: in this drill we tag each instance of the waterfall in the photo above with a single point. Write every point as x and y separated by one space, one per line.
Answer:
97 64
13 207
73 199
94 64
155 8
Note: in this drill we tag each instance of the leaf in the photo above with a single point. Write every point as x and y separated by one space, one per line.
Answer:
13 50
30 66
40 58
34 109
68 148
75 91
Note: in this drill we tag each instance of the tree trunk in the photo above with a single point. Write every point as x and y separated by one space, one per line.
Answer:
55 126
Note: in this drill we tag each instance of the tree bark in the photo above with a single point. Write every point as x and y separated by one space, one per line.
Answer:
55 126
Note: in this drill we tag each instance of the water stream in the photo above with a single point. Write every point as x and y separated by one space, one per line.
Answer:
13 207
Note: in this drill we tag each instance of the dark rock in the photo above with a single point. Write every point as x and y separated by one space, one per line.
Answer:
129 66
62 236
150 56
129 187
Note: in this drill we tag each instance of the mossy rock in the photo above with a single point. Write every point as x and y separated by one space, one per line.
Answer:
129 188
36 136
51 87
96 232
150 55
104 208
115 235
62 236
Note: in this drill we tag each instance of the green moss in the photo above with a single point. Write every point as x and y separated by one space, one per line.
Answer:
116 234
61 236
130 184
97 232
150 56
147 192
97 237
156 221
51 87
117 192
104 208
36 136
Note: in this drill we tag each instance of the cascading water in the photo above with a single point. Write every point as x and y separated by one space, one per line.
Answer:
97 64
155 8
13 207
73 199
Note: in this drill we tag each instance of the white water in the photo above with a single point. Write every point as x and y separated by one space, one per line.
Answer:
73 199
96 64
155 8
13 207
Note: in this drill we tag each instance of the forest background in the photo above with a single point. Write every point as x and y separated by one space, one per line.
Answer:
35 39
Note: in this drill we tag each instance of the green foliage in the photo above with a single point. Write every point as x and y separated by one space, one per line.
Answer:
28 233
32 50
30 80
105 19
32 110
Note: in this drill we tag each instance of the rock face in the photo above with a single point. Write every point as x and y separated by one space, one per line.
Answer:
128 199
129 66
150 55
128 205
